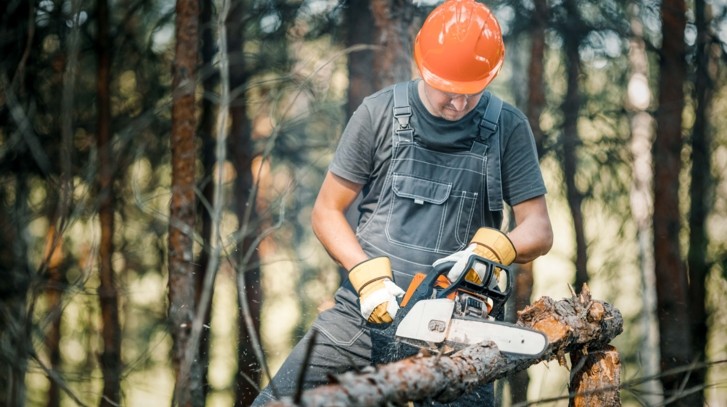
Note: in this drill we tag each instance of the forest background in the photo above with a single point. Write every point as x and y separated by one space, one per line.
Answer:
159 159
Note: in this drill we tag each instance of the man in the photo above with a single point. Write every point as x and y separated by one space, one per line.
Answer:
433 160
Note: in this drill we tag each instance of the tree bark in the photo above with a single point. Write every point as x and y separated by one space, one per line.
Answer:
522 293
523 290
595 378
110 358
571 140
361 78
207 124
574 324
642 205
245 192
671 277
536 83
14 289
395 22
53 257
183 201
701 188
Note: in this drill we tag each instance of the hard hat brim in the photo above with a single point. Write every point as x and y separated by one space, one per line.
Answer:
450 86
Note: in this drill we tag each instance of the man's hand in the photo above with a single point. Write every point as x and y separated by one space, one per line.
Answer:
372 280
489 243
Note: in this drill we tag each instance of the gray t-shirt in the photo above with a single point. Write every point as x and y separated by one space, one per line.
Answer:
364 151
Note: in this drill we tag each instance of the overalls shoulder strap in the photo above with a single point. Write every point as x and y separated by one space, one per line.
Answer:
491 137
488 137
491 116
402 113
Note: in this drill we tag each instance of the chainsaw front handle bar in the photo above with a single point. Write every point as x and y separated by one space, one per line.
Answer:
499 296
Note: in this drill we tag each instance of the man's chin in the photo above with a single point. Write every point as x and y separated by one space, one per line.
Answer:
452 116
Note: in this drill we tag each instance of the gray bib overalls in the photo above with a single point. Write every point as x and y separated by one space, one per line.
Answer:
433 202
430 206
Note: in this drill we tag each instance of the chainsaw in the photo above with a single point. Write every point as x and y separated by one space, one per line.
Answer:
445 316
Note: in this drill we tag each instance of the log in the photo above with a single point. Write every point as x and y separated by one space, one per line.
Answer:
595 377
576 324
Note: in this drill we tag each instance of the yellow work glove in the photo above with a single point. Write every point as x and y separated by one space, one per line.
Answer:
489 243
372 280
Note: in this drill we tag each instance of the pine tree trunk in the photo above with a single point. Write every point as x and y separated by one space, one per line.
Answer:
110 358
53 257
642 135
207 124
536 82
523 290
182 212
240 147
701 190
395 22
671 282
571 142
361 78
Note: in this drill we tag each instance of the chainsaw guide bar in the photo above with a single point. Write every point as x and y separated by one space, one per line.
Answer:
430 324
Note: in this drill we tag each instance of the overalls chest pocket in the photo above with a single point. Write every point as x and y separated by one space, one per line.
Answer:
429 215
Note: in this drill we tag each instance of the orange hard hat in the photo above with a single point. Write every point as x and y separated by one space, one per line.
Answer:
459 48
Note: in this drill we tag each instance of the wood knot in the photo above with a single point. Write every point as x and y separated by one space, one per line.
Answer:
595 312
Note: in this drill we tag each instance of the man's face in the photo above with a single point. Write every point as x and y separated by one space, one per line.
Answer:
450 106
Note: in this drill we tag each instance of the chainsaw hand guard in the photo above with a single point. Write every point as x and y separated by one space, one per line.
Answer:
496 284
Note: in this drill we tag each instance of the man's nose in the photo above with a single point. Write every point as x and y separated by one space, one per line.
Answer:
459 102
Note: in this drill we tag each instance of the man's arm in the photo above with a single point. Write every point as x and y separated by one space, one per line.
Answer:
329 222
533 233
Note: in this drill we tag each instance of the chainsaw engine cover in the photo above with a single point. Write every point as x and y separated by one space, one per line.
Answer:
428 320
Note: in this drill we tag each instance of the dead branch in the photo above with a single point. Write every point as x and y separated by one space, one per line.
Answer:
576 324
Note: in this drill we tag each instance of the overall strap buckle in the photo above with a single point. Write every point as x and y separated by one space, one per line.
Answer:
402 112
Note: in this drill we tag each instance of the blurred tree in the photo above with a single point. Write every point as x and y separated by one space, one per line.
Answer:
388 28
523 289
239 141
396 22
16 39
701 187
182 306
536 75
573 31
260 72
110 358
639 100
671 278
361 82
209 78
54 295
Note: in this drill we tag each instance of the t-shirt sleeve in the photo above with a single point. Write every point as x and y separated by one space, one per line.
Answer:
521 175
354 155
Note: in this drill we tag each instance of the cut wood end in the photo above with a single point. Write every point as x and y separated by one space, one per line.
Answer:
553 329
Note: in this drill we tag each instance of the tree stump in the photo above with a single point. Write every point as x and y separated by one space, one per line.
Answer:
595 378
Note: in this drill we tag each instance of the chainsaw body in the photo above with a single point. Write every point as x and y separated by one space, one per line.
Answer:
439 314
485 300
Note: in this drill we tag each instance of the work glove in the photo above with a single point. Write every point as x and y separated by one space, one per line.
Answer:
489 243
372 280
